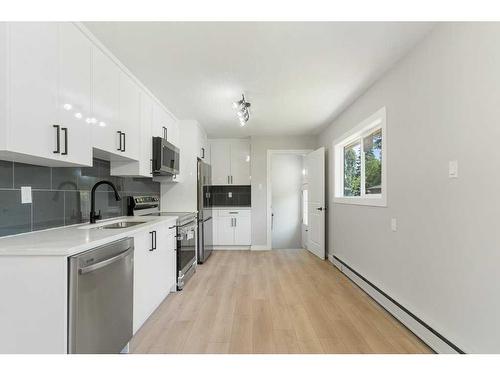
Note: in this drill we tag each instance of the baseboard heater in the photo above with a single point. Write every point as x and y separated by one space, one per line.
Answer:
426 333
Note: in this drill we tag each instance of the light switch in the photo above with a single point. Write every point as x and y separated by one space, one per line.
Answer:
26 194
453 169
394 224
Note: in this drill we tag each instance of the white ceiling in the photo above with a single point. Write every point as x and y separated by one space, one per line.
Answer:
298 76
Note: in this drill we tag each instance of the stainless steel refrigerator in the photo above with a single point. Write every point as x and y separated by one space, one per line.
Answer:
205 219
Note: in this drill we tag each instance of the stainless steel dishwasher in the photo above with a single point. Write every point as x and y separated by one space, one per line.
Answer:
100 298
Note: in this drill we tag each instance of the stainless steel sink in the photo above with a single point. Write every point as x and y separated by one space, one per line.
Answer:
122 224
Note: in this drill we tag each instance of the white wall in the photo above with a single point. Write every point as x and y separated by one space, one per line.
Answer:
182 196
286 193
259 146
442 104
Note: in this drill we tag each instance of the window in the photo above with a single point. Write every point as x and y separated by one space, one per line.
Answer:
360 158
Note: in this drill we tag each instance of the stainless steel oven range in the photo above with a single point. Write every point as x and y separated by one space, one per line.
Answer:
187 229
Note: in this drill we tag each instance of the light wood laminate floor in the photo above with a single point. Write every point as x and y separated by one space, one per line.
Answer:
281 301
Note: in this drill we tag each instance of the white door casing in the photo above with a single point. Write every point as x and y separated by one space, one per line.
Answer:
315 169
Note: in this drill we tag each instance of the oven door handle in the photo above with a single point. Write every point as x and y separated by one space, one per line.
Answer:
191 222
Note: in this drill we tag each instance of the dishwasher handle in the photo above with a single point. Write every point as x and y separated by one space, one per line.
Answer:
106 262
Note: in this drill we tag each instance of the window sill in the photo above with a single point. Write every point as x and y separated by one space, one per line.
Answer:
375 202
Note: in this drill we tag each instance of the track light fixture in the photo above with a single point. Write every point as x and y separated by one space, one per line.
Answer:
242 110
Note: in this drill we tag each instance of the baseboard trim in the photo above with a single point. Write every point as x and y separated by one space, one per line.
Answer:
426 333
220 247
260 247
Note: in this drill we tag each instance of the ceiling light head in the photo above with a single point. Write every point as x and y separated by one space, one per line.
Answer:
242 110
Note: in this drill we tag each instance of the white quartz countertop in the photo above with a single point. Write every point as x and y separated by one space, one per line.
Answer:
70 240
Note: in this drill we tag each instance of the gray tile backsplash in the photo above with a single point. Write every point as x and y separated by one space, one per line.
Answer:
14 216
31 175
6 174
48 209
229 195
61 196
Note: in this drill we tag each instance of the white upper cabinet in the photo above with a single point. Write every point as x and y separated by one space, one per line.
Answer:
64 99
75 94
105 102
230 160
164 124
240 162
203 147
32 79
48 70
220 158
130 117
146 162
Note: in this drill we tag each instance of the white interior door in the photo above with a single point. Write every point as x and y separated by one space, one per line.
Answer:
315 167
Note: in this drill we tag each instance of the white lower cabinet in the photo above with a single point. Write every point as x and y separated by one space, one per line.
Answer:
232 227
154 272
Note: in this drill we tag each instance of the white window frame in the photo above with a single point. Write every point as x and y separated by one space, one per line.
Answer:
366 127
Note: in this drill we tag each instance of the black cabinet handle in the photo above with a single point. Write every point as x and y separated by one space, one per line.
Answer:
124 136
58 141
151 171
203 153
164 132
155 238
120 139
65 130
152 241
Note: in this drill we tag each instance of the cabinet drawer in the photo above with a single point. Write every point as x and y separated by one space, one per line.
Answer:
235 212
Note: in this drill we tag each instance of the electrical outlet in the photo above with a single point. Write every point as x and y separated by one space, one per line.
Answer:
26 194
230 195
394 224
453 169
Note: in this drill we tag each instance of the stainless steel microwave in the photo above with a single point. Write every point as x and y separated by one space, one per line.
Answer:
165 157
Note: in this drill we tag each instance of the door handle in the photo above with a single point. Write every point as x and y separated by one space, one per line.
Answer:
58 141
203 153
320 208
124 137
228 180
231 179
164 132
272 221
104 263
120 140
65 130
235 222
